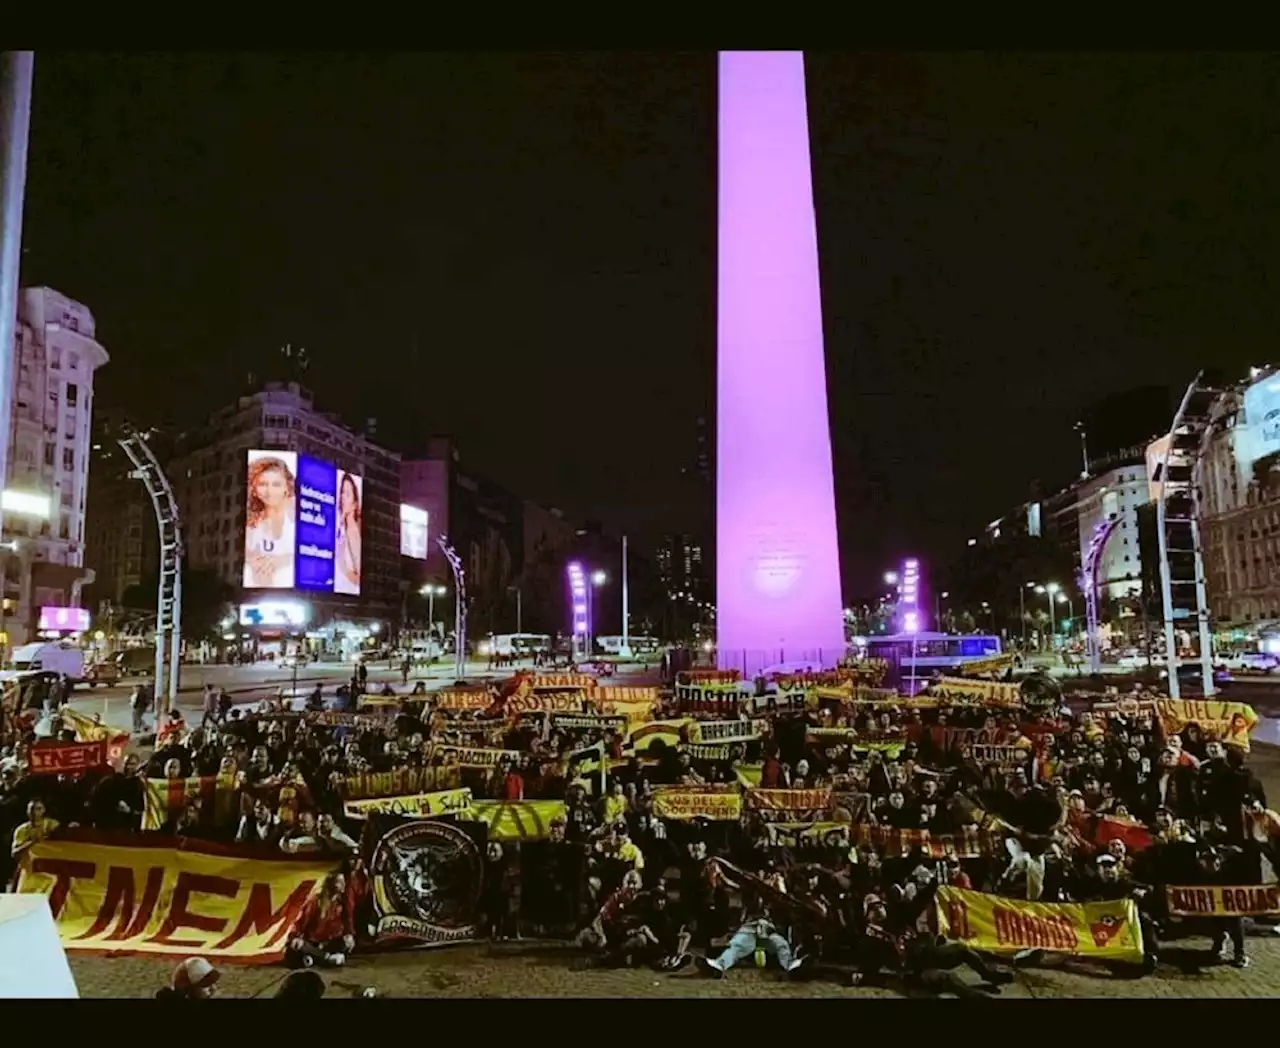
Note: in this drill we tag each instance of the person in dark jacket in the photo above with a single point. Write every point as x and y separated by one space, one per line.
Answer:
118 799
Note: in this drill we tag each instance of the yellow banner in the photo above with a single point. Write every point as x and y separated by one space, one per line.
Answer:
560 682
1229 722
516 820
679 802
993 664
982 692
446 802
164 900
672 733
163 798
636 704
1216 901
530 701
748 774
995 924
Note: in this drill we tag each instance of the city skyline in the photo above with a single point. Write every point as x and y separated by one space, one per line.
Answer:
988 225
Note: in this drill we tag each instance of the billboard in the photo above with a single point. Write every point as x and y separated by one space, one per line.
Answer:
1262 422
64 620
413 532
302 524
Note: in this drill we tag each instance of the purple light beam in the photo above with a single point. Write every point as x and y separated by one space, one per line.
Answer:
777 557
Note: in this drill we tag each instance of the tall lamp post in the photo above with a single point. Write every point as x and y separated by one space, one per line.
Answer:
431 591
625 649
598 579
1050 590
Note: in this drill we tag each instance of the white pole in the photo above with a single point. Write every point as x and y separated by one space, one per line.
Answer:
625 650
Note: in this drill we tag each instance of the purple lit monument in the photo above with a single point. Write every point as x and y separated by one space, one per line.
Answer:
777 559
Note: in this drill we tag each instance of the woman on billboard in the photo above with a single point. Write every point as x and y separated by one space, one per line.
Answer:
269 523
347 545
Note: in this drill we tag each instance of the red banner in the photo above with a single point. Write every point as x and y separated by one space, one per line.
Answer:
67 758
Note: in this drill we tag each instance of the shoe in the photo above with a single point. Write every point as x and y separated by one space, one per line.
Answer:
1239 962
336 960
795 965
709 967
307 960
856 979
681 963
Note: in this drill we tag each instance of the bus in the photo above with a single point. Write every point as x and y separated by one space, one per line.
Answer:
917 657
638 645
519 645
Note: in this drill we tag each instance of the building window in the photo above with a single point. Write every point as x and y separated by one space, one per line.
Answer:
72 391
55 357
69 459
48 452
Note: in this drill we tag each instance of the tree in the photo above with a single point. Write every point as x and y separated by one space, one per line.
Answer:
206 601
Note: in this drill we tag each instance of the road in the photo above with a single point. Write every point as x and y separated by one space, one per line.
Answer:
248 684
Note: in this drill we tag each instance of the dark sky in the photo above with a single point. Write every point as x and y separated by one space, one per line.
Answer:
520 250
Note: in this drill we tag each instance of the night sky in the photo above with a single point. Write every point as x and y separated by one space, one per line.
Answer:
520 251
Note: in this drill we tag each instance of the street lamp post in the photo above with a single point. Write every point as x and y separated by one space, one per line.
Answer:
937 608
598 579
625 649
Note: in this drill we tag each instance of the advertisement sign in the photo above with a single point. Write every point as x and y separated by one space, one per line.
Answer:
271 520
413 532
302 524
1261 434
317 523
348 541
64 620
273 613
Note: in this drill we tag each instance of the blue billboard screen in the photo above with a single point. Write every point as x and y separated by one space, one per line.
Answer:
317 523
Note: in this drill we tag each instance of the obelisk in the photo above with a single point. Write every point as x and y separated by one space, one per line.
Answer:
777 557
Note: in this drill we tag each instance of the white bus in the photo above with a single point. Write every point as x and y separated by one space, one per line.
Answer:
519 645
638 645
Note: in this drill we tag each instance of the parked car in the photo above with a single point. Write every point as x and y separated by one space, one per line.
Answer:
135 662
104 673
1247 662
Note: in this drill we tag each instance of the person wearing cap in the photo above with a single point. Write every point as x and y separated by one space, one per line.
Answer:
1112 884
195 979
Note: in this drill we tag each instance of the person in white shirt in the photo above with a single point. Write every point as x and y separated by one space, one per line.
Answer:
269 538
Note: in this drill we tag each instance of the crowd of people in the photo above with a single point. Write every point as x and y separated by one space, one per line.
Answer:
1068 804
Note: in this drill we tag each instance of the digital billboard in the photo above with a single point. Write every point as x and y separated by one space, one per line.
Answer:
302 524
413 532
64 620
1261 433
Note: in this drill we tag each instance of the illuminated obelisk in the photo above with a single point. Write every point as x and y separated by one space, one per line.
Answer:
777 558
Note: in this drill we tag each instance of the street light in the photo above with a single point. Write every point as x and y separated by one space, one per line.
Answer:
1050 590
937 608
599 578
891 578
431 591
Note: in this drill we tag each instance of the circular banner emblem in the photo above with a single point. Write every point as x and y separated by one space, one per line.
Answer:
427 878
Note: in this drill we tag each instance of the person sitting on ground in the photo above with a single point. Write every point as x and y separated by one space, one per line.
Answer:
195 979
325 932
757 936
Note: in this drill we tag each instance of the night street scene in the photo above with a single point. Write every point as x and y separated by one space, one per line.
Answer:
755 524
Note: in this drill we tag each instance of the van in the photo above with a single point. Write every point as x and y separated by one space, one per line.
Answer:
136 662
48 657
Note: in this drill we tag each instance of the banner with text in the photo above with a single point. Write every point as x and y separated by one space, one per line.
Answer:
979 692
66 758
801 836
1229 722
420 805
1217 901
724 731
548 702
995 924
790 805
465 698
690 802
166 898
402 782
473 756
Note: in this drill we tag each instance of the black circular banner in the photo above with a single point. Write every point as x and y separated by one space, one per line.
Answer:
427 878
